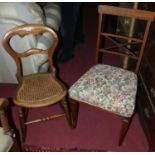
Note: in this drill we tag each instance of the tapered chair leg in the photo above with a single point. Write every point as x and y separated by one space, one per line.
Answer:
66 107
22 121
125 125
74 108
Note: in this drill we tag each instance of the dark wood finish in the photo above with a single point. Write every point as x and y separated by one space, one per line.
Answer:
146 95
146 89
66 108
125 126
22 122
40 89
146 113
74 112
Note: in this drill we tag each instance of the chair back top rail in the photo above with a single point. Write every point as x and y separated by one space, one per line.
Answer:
23 30
132 13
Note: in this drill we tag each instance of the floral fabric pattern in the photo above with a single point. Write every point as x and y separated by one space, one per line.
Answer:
111 88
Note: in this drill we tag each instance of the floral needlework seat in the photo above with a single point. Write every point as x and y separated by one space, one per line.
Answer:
107 87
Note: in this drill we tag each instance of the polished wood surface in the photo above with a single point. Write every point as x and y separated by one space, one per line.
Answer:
146 95
38 89
23 31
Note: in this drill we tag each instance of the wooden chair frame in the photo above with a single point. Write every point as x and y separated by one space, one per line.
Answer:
125 12
26 30
35 29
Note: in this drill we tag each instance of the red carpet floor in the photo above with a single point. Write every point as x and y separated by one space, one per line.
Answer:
31 148
96 130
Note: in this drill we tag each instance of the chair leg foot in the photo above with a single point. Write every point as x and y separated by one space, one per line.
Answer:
124 129
74 108
22 121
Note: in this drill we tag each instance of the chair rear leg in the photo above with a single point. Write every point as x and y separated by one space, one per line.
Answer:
26 111
74 108
125 126
22 121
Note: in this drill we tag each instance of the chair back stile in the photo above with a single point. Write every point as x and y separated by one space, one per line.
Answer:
23 31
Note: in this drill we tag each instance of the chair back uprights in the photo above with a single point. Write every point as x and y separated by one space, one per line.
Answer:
22 31
124 49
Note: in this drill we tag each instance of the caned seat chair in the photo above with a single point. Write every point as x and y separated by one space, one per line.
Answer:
8 140
108 87
38 89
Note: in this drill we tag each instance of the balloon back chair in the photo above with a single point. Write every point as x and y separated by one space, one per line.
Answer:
108 87
39 89
8 140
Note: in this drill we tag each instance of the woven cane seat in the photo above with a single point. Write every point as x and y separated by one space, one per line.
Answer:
39 90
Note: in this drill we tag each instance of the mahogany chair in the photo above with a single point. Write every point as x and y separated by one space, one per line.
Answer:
8 140
39 89
108 87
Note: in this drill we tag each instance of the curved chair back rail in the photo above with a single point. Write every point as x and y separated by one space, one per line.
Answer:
23 30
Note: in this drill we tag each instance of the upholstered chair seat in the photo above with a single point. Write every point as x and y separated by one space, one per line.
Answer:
6 141
107 87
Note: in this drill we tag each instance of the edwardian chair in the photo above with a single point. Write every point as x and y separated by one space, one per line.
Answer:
110 88
8 140
39 89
